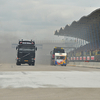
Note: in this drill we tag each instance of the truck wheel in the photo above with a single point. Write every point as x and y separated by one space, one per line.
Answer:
29 64
18 63
52 63
33 64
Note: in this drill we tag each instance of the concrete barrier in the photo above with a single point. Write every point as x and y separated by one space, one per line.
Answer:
85 64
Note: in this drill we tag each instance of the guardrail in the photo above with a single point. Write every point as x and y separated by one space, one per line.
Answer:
85 64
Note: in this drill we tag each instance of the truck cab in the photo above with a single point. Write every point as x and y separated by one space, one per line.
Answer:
52 53
26 52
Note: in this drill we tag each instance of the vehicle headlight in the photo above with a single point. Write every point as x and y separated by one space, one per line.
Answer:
32 58
18 58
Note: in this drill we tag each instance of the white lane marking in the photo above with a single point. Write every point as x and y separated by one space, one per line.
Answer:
44 79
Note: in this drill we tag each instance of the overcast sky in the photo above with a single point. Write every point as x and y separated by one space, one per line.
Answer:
38 19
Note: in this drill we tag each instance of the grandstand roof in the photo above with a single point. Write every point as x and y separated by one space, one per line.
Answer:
87 28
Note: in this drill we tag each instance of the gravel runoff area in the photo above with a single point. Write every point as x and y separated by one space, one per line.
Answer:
38 67
47 93
50 94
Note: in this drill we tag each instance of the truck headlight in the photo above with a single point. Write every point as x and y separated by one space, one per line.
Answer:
18 59
32 58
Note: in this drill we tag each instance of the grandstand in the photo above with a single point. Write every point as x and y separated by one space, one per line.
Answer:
88 29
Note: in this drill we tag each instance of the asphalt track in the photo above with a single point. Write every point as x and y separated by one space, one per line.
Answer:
45 82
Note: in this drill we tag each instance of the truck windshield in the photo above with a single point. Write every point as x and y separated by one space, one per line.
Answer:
26 48
59 51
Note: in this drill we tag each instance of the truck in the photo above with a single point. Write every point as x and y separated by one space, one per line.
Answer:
26 52
52 53
61 59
